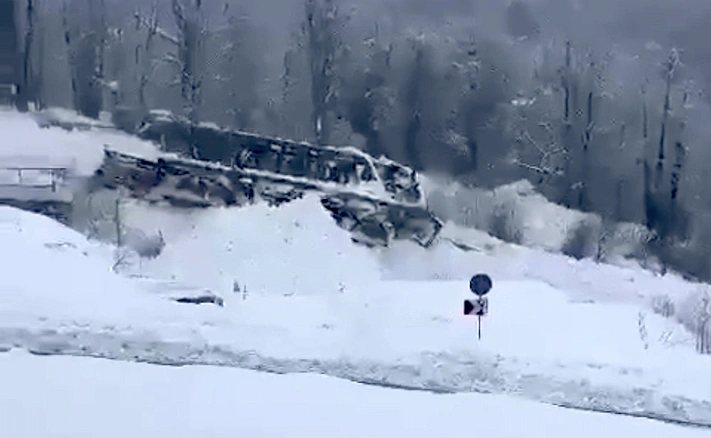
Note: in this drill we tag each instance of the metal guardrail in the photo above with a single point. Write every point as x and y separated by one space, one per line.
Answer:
54 176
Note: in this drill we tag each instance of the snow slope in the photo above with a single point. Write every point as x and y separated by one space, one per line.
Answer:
83 398
537 343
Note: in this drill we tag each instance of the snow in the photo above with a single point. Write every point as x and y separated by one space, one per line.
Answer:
301 298
25 139
78 397
537 343
296 249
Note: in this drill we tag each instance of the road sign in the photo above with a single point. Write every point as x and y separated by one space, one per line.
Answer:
479 307
480 284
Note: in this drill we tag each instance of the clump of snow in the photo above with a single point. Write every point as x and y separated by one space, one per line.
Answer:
295 249
33 138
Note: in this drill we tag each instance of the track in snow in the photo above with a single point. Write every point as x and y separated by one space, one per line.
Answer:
436 373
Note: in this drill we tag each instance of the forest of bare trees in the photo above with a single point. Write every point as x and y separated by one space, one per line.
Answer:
597 104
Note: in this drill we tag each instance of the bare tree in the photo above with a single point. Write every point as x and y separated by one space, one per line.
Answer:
189 21
85 46
30 88
322 29
235 72
145 65
367 94
9 54
663 212
670 69
185 56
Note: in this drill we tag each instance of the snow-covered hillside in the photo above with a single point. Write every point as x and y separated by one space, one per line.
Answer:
301 298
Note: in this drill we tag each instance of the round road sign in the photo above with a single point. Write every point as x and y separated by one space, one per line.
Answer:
480 284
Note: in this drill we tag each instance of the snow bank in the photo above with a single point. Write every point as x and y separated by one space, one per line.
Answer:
23 135
84 398
296 249
52 270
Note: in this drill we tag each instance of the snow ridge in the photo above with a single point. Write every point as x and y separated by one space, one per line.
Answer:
432 372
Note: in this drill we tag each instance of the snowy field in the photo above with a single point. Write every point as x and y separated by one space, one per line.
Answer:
69 397
301 298
62 298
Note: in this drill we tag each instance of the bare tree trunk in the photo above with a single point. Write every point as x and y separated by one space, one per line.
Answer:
101 31
567 134
38 81
413 120
189 42
583 195
189 28
71 54
649 212
86 50
10 56
677 172
142 55
28 90
666 109
320 29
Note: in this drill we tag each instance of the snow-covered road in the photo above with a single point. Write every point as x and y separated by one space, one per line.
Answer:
70 397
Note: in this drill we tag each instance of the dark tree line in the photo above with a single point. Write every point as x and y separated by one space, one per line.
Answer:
605 115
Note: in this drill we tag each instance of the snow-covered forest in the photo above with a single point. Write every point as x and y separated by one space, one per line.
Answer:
601 105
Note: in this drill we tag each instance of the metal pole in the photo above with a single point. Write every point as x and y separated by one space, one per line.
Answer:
478 325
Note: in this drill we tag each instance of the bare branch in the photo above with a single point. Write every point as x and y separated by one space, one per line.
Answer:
152 26
537 169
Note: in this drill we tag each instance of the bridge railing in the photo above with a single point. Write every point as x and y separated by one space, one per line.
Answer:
41 183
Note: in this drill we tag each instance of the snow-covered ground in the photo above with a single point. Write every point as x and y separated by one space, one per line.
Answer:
61 297
69 397
301 298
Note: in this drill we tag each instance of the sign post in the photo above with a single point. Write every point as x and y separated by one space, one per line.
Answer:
479 285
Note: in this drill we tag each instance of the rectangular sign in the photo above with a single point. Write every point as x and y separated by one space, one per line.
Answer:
478 307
